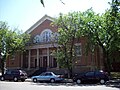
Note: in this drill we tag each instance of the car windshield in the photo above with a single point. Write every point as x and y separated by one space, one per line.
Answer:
47 74
90 74
42 74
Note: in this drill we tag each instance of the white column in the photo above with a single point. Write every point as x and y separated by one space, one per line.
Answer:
37 58
47 57
29 56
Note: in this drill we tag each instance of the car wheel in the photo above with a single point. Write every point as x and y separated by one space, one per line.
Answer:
78 81
34 79
15 79
52 80
102 81
22 80
2 78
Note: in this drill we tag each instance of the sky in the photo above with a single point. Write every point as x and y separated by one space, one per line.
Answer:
22 14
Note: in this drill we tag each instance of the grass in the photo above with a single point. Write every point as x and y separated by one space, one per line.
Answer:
115 75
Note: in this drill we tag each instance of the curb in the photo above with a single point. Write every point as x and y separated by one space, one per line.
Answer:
67 81
28 80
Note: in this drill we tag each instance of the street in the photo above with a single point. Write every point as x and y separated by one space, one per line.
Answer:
10 85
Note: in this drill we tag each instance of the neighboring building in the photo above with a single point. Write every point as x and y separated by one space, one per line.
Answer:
39 51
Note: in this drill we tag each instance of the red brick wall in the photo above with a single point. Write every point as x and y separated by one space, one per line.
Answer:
44 25
83 60
14 63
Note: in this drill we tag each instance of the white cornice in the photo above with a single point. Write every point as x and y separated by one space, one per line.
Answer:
45 17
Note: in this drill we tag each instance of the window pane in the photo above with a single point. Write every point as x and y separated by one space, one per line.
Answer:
78 50
46 36
90 74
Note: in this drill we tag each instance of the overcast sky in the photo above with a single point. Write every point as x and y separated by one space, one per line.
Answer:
24 13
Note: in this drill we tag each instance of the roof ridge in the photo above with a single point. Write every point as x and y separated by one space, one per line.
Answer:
39 22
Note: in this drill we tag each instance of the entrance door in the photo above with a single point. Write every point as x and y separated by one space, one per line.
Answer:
40 62
54 62
35 63
44 61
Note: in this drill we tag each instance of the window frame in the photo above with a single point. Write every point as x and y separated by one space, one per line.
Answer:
46 35
80 51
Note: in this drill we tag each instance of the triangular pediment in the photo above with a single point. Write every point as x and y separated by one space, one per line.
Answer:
39 22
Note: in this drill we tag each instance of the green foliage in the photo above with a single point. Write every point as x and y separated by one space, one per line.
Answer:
100 30
11 42
103 31
69 27
115 75
42 2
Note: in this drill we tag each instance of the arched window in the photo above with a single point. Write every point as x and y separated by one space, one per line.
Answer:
54 37
36 39
46 35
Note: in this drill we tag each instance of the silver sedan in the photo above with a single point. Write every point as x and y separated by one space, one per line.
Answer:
47 76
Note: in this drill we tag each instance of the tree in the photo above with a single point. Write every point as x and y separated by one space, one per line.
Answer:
42 2
10 43
68 29
103 31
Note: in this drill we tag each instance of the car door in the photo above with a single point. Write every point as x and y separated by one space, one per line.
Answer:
48 76
41 77
89 76
8 75
98 75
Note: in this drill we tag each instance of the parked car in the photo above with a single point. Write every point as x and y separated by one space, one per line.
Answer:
14 74
47 76
91 76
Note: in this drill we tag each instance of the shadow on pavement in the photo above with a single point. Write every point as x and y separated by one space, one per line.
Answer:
63 84
114 84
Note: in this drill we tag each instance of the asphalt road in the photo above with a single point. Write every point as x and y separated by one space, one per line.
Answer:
9 85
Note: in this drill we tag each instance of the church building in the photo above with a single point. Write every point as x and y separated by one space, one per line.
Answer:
40 47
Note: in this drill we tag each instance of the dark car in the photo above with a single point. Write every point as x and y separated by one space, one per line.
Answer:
91 77
14 74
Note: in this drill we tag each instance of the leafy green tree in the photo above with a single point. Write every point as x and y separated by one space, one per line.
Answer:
103 31
11 42
68 29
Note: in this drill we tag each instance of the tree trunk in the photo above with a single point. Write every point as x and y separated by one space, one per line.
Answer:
3 64
106 62
69 72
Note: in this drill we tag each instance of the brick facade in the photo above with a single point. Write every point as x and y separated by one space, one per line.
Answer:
38 53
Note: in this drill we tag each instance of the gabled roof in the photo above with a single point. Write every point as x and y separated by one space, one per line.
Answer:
45 17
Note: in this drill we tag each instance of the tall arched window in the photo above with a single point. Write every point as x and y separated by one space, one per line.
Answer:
36 39
46 35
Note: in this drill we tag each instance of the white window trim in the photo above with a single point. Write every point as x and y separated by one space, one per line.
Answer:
12 57
48 30
79 44
45 30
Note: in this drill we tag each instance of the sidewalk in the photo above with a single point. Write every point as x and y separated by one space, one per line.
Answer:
28 80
